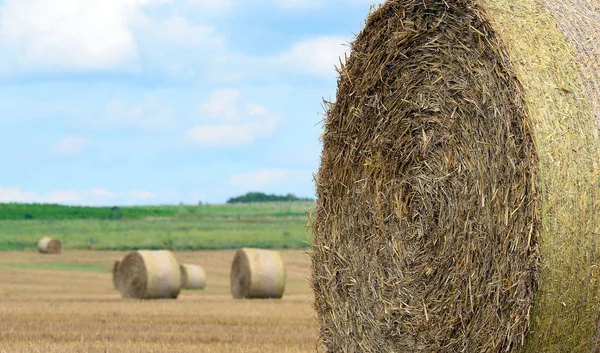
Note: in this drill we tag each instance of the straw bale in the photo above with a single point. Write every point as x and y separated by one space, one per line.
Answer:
48 245
192 277
458 192
257 273
149 275
116 275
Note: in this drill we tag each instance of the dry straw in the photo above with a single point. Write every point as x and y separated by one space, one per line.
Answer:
458 190
116 275
149 275
192 277
257 273
48 245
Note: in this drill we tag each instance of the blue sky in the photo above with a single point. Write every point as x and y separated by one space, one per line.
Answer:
164 101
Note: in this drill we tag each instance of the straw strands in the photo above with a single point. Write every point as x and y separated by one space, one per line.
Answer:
257 273
48 245
580 22
149 275
192 276
457 198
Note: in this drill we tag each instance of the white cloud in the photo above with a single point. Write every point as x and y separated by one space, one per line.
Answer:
318 56
178 29
62 196
88 35
223 5
99 192
72 197
69 34
297 4
148 114
222 104
142 195
213 5
229 135
70 146
104 194
16 195
263 178
237 128
256 110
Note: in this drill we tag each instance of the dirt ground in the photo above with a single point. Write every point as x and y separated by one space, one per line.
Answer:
74 311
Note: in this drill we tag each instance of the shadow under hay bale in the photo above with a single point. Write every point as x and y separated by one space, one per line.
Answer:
149 275
192 277
48 245
257 274
458 192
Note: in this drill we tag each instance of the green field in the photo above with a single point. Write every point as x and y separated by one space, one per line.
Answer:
58 266
267 225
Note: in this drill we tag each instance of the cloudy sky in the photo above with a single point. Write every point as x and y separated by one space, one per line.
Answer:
165 101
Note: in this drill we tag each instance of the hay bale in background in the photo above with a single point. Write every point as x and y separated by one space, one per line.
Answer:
457 198
116 275
192 277
48 245
149 275
257 273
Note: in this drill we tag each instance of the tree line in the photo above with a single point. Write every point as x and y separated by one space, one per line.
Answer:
262 197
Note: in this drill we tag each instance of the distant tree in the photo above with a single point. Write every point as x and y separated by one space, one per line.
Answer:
116 212
262 197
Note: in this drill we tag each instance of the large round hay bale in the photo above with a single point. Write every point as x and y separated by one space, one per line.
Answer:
192 276
116 279
48 245
458 192
257 273
149 275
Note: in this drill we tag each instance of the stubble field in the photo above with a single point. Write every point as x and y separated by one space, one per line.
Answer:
66 303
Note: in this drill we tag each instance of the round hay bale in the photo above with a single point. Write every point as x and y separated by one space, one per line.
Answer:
149 275
257 273
116 279
458 193
192 277
48 245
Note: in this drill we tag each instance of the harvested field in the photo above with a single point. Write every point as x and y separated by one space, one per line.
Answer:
68 304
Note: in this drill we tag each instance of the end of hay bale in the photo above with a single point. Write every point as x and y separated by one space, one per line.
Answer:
48 245
442 107
184 279
149 275
116 275
192 277
257 274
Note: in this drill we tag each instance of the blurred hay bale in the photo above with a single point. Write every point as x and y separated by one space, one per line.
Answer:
149 275
192 277
116 279
257 273
458 193
48 245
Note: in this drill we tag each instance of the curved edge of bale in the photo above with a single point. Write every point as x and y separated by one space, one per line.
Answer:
184 276
257 274
150 275
192 277
116 279
48 245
